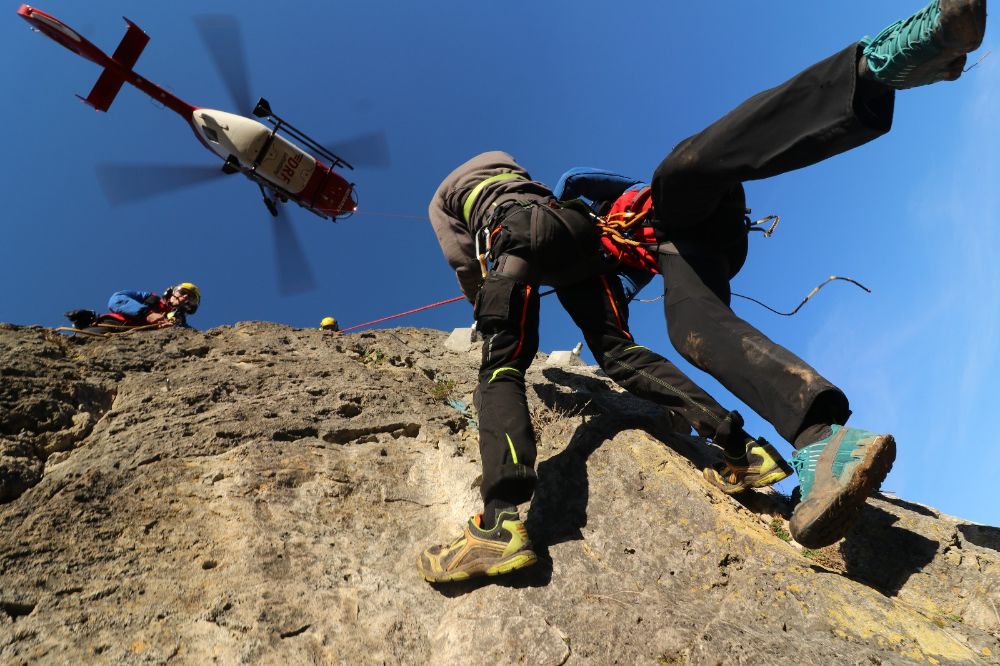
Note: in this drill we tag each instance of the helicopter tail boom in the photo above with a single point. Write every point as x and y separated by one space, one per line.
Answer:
117 68
126 55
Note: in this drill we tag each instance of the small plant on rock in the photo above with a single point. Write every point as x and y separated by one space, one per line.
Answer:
778 530
443 388
372 356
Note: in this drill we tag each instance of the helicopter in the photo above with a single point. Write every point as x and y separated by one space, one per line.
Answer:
282 170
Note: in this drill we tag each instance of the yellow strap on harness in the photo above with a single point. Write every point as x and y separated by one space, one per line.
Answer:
471 199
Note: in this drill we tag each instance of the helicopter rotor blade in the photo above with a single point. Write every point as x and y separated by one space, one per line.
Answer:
224 41
364 150
294 274
127 183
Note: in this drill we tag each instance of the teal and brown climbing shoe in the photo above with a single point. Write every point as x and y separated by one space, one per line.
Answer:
836 476
927 47
479 552
763 466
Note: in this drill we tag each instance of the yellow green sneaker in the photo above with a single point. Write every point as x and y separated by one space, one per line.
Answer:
764 467
479 552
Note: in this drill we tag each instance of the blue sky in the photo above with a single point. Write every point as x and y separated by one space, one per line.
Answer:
913 215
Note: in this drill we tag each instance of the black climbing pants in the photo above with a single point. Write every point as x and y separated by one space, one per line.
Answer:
699 201
543 245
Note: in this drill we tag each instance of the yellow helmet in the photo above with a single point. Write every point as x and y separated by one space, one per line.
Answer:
193 295
191 288
329 324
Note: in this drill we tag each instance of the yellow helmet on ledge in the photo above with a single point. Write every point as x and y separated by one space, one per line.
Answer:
193 293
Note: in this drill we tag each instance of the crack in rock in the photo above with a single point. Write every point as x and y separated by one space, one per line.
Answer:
367 435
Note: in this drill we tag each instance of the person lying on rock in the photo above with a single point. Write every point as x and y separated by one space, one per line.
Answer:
132 310
489 208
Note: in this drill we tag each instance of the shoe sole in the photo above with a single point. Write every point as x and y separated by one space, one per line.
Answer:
960 31
830 525
963 24
519 560
713 479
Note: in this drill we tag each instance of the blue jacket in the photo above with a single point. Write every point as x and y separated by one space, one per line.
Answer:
134 304
594 185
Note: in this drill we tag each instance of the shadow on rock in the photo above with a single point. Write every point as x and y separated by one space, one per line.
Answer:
909 506
766 501
593 397
559 507
981 535
883 555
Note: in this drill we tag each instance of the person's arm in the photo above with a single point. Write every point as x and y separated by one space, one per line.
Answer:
457 245
592 184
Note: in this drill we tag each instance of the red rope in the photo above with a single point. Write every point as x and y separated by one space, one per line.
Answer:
425 307
402 314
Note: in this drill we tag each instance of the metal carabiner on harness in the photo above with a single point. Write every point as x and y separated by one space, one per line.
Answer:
481 256
758 225
484 246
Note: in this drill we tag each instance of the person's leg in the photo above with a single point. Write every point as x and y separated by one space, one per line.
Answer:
837 104
496 541
831 107
838 467
817 114
507 317
531 244
599 308
771 380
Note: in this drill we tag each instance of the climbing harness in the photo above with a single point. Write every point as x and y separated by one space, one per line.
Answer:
488 233
471 198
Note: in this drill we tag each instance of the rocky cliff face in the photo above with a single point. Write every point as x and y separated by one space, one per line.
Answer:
258 494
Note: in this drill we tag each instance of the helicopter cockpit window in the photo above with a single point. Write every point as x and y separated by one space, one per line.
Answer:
210 134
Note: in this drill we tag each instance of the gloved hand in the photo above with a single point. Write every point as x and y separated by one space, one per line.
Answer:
160 319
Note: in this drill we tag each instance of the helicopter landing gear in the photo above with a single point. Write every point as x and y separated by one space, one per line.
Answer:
270 202
231 165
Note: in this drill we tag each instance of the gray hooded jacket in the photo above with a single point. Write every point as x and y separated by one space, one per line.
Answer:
455 230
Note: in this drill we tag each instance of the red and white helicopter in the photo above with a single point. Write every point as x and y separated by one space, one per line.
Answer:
282 170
